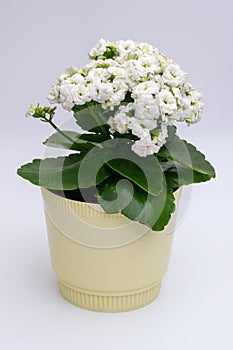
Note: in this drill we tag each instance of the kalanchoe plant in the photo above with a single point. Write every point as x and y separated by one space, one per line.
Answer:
127 100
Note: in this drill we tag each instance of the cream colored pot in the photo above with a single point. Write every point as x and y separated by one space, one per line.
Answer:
105 262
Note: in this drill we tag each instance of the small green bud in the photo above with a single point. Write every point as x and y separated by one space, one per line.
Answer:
43 113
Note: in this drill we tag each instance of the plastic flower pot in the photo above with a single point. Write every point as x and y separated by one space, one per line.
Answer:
105 262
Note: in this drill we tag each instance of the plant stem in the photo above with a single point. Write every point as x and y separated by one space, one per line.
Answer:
59 130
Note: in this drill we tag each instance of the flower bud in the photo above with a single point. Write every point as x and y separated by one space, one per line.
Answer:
37 111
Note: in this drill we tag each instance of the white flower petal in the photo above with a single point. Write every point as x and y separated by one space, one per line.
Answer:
145 147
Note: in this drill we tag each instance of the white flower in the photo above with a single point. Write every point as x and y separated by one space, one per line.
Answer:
173 75
145 103
122 118
167 102
177 92
99 49
136 72
31 110
145 147
53 96
191 105
195 95
133 72
150 124
100 92
116 98
196 107
62 77
119 84
138 129
71 70
148 87
146 108
119 123
76 79
82 95
116 71
158 88
150 64
67 95
162 135
182 114
124 47
98 75
146 48
126 108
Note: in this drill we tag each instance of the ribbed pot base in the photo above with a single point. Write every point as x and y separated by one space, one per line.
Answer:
112 302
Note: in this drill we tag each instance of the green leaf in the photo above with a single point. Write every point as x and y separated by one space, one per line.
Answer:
60 141
184 153
167 210
116 156
85 120
117 194
93 169
177 175
54 173
128 97
61 173
92 117
157 210
144 172
93 138
127 135
78 108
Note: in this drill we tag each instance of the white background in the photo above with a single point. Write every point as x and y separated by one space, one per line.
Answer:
195 309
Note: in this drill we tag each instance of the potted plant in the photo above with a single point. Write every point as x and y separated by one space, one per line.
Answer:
110 201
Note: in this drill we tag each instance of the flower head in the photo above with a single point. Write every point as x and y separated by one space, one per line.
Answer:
145 90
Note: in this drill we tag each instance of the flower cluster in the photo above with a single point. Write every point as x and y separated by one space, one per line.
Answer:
43 113
158 89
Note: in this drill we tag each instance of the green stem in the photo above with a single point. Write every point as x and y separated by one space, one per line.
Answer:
59 130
